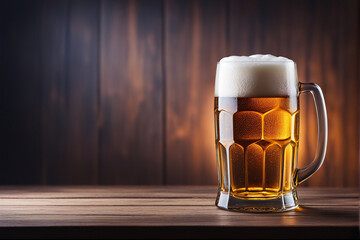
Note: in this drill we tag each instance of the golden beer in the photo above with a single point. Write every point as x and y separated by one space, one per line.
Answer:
258 138
257 133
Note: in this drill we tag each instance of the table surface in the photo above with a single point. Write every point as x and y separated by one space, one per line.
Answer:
168 212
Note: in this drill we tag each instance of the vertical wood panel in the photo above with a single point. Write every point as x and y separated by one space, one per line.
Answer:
195 39
20 93
348 31
301 44
54 34
321 39
131 92
70 91
321 69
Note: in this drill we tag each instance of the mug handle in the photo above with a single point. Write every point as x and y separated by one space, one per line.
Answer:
304 173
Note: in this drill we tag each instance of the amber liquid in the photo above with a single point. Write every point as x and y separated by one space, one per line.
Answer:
256 145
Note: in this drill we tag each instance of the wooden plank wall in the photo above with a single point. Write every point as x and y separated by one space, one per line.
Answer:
195 40
131 93
121 92
70 72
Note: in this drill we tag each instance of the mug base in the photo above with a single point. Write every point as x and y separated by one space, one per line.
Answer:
286 202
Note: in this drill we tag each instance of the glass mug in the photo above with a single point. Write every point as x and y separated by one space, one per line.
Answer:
257 133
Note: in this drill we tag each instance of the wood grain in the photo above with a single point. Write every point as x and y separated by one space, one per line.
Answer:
157 195
20 93
131 98
320 39
54 78
195 39
347 71
174 210
70 92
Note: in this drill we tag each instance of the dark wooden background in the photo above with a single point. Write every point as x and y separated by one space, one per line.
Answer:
121 92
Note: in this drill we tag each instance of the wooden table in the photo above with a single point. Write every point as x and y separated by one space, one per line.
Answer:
168 212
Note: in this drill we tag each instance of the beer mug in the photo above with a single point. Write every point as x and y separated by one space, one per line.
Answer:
257 133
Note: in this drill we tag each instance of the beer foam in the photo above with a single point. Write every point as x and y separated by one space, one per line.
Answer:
256 76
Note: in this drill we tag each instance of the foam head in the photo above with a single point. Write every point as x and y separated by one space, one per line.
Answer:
256 76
